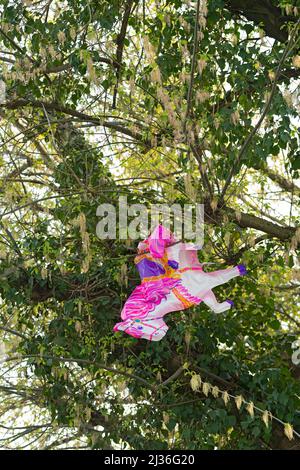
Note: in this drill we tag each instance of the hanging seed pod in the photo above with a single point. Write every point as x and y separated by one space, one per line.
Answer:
187 338
166 417
206 388
214 204
78 327
215 391
265 418
271 74
123 275
239 401
44 273
238 215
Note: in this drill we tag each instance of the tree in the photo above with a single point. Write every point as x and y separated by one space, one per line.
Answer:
162 102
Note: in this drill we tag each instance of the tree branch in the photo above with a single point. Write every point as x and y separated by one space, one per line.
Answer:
114 125
284 183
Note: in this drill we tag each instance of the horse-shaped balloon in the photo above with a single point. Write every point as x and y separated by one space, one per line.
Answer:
172 279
